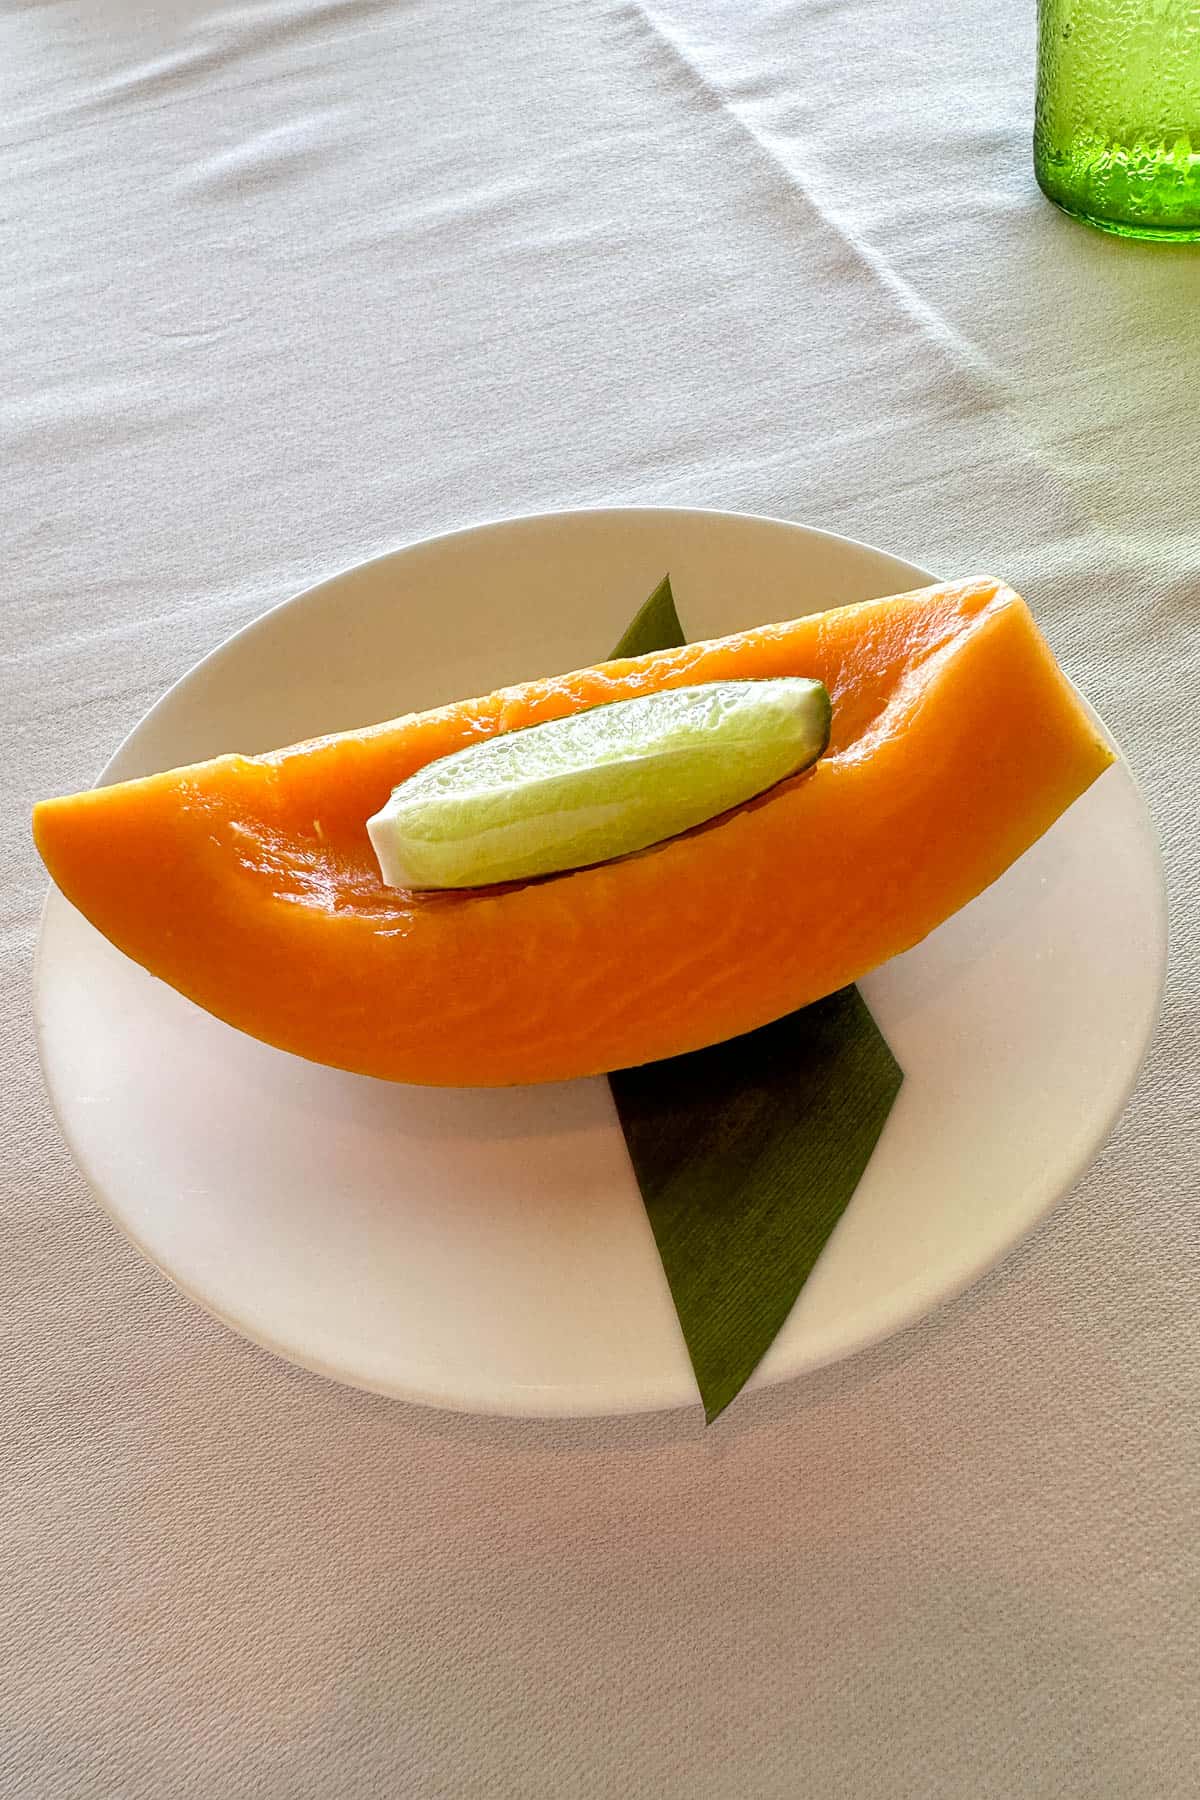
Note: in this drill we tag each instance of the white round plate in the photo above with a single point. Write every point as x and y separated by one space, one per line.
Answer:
487 1249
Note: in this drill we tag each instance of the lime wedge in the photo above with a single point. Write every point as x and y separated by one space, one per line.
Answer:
596 785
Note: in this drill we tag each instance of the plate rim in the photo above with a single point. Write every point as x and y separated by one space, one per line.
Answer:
106 777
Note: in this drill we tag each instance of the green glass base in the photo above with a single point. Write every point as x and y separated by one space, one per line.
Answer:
1154 234
1112 191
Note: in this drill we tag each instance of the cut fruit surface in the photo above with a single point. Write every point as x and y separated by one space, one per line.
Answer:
598 784
250 884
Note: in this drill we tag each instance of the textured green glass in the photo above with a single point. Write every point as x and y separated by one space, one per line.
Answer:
1117 130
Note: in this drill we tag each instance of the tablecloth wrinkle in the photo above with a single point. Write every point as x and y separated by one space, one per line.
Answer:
923 313
288 286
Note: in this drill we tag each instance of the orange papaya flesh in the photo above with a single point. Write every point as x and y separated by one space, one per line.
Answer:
249 883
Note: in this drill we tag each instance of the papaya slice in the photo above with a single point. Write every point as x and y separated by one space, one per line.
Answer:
248 882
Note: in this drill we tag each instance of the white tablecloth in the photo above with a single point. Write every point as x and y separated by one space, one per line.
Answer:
288 284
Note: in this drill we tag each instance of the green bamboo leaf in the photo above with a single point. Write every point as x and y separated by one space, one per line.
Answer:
747 1153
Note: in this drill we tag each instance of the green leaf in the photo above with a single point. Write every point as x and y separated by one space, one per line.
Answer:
656 626
747 1153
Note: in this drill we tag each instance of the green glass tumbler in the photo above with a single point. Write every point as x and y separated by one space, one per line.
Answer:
1116 137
